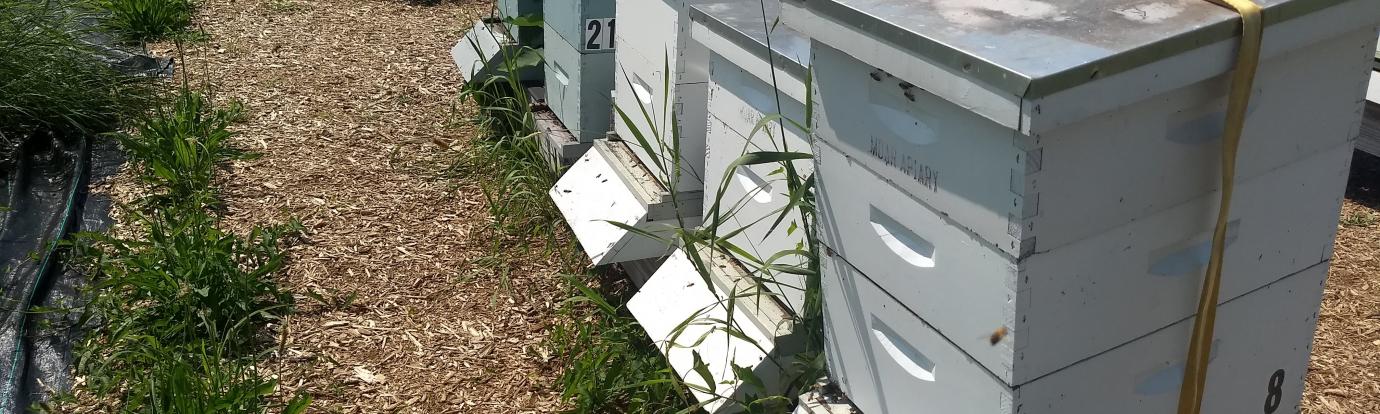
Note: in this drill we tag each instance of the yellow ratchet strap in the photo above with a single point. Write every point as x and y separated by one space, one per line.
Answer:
1243 76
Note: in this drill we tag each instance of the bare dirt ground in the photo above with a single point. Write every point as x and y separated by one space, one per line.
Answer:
1344 376
350 106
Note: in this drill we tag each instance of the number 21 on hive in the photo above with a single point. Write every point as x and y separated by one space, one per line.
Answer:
599 34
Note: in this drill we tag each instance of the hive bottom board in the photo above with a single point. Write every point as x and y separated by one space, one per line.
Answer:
558 144
887 360
677 307
608 185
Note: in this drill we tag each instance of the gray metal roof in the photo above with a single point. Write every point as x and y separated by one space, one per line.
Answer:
1034 48
744 23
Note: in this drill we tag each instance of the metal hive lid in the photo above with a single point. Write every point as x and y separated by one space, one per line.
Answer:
742 22
1034 48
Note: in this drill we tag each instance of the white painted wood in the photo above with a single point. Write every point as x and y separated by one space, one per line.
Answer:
480 52
643 95
742 100
526 35
787 82
1203 64
1097 95
655 30
682 314
1077 300
740 96
1373 88
660 72
608 184
1037 193
751 200
986 101
887 360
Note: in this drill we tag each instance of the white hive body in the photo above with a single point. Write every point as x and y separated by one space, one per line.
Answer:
1017 202
754 74
660 79
1086 297
893 362
480 53
522 9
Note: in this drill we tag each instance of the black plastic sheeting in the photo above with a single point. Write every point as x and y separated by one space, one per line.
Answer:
44 198
47 199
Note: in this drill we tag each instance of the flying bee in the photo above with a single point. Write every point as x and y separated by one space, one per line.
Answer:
997 335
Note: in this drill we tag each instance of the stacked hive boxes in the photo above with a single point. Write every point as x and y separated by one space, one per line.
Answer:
661 77
578 46
644 196
661 197
748 82
1017 199
676 306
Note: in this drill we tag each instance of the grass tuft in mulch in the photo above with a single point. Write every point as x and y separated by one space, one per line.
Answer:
182 306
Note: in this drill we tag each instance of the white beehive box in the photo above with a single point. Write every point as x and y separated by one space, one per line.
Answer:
892 362
748 80
522 9
580 70
1039 126
741 94
609 184
1081 299
661 72
480 53
685 317
752 200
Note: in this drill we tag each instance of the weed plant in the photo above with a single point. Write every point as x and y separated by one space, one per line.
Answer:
179 147
146 20
510 151
181 305
611 366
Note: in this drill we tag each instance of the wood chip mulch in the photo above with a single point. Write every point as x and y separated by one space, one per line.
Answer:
352 108
1344 375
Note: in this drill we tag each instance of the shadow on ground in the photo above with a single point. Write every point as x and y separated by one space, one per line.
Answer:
1364 184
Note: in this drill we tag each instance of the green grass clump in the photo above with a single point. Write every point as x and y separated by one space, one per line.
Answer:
611 366
52 82
1360 219
145 20
510 155
182 305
